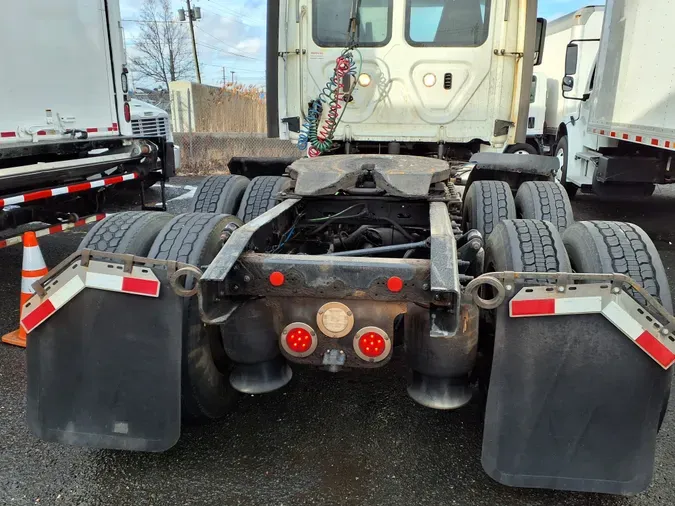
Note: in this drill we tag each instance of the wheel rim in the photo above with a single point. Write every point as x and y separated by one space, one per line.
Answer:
521 152
560 155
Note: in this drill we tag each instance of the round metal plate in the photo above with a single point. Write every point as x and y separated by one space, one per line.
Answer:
335 319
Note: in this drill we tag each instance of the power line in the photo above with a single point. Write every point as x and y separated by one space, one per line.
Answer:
227 52
231 12
244 55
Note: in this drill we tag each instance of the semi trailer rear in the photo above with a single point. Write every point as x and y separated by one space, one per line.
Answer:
561 330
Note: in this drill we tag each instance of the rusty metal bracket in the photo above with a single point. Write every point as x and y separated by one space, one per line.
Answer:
562 279
128 261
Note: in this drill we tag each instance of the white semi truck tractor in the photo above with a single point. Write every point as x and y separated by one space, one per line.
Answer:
363 252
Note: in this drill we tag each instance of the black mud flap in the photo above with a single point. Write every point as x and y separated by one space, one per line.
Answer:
573 404
104 371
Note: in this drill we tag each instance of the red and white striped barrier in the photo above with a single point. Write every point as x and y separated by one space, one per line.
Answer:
650 140
655 339
63 190
97 275
12 134
54 229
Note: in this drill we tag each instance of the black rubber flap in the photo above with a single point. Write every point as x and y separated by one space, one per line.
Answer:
573 404
104 371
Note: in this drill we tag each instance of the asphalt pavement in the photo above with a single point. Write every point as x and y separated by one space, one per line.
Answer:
324 439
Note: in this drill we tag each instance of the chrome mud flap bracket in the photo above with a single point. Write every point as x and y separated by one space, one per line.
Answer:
104 355
573 403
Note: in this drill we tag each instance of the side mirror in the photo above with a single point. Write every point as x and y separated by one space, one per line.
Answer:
567 83
539 41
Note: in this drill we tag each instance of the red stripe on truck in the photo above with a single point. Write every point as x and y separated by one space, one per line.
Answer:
92 130
655 349
532 307
39 314
7 134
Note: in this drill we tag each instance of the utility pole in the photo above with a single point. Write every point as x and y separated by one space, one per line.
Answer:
191 16
224 78
232 72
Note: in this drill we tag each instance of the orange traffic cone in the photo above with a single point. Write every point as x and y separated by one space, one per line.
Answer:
33 268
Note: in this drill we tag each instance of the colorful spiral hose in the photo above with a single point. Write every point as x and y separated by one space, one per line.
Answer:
319 139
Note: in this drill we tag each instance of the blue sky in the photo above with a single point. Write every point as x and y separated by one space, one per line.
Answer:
231 34
552 9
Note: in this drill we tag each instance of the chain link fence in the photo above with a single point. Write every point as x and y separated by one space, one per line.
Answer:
205 153
211 125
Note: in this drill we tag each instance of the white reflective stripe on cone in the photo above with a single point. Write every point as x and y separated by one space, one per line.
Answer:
33 259
27 284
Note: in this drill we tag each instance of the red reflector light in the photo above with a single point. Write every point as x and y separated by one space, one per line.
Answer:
372 344
395 284
299 339
127 112
277 278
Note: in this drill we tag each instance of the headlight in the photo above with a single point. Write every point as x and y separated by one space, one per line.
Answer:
429 80
364 80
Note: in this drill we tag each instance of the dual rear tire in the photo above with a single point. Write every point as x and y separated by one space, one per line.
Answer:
192 238
489 202
585 247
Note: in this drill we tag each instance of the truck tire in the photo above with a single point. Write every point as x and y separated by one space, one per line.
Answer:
261 196
562 154
486 203
545 200
130 232
206 392
219 194
522 148
518 246
623 248
526 246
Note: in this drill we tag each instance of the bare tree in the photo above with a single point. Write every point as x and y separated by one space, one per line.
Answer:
162 49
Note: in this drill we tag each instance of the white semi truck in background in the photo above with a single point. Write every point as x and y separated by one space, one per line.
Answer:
65 117
469 94
611 99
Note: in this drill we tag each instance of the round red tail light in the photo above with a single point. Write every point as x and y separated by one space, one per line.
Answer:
372 344
298 339
127 112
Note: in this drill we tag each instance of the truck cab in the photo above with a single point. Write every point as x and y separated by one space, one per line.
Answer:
427 76
611 105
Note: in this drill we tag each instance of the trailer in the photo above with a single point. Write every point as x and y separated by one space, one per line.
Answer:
613 106
65 115
561 330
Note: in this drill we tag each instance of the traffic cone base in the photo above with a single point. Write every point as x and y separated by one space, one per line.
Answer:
32 269
15 338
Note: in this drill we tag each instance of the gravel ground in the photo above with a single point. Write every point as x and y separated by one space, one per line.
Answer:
325 439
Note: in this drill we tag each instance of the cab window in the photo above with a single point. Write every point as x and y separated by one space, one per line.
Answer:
330 25
447 23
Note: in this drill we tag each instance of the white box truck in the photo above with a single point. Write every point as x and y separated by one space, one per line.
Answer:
612 97
65 117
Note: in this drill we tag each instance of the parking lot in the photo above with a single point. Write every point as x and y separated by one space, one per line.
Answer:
327 438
